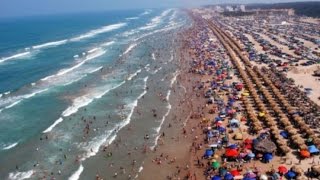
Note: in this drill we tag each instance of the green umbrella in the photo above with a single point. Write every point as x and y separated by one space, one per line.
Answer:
216 164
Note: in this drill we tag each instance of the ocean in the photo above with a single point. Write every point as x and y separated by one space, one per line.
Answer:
71 84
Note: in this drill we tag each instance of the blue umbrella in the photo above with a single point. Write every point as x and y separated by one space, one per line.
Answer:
221 129
284 134
313 149
228 176
251 155
268 156
216 178
233 146
210 134
248 178
208 152
291 174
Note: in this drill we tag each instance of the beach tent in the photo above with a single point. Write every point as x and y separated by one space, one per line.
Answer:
291 175
304 153
215 165
267 157
282 169
208 153
228 176
235 172
216 178
313 149
231 153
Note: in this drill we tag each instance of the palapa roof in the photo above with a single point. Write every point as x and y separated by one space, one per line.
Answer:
265 145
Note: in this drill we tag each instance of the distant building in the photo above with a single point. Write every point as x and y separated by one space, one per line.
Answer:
242 8
218 9
229 8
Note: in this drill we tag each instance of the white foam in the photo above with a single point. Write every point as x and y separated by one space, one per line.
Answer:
107 43
50 44
10 146
156 20
129 49
70 82
93 50
140 169
33 84
95 32
95 70
16 56
88 58
132 18
20 175
155 72
145 12
174 79
133 75
85 100
53 125
76 175
12 104
18 99
153 57
1 95
6 93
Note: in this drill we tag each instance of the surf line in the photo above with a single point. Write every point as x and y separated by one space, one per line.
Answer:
74 108
77 173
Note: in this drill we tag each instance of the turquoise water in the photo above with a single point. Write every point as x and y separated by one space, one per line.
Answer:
70 83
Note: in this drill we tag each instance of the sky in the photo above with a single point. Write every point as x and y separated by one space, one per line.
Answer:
10 8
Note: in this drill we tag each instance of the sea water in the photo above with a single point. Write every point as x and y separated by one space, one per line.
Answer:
71 84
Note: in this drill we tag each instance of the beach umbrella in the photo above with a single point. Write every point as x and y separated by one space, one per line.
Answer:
304 153
267 156
231 153
216 165
313 149
282 169
235 172
216 178
284 134
233 146
222 171
276 175
208 153
291 174
228 176
251 155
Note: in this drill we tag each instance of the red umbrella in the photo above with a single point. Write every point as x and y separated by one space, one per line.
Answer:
282 169
235 172
231 153
248 141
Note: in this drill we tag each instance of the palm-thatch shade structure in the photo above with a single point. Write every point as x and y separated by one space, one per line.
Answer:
265 146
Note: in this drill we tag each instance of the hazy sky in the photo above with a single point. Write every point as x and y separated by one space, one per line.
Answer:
34 7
